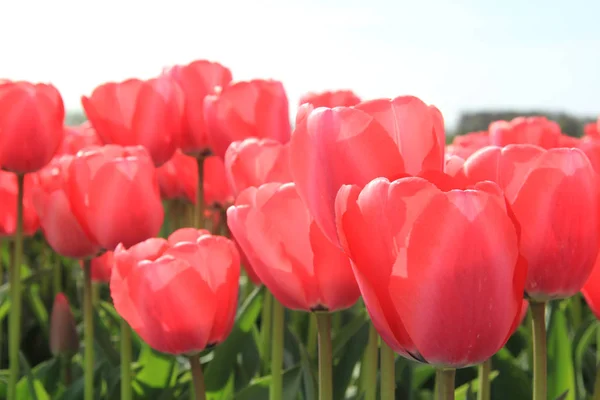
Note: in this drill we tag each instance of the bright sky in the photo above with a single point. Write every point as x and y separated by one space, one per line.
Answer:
456 54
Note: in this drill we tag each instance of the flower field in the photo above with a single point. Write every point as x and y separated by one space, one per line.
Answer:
188 241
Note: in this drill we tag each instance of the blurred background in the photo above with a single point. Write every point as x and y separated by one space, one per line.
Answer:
477 61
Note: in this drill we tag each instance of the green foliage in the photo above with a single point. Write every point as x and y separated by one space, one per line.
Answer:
480 120
75 117
233 369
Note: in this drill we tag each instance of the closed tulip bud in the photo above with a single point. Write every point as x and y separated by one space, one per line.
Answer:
102 267
592 129
78 137
114 194
465 145
180 295
438 266
178 179
538 131
31 125
288 251
8 204
331 98
257 108
64 231
254 162
197 79
389 138
63 331
138 112
216 188
554 195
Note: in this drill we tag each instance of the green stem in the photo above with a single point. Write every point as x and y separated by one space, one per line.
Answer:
576 310
266 328
369 371
597 383
483 393
88 329
67 370
529 327
95 293
223 228
198 378
325 356
388 372
598 344
200 206
126 393
538 314
445 383
1 320
56 277
312 335
276 392
336 322
14 336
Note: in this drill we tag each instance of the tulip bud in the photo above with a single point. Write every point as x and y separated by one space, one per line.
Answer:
63 333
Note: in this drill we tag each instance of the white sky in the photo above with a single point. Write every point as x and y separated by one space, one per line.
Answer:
456 55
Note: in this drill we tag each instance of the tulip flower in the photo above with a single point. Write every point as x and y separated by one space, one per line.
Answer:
525 130
467 144
63 231
591 289
296 262
590 145
102 267
77 138
190 308
253 162
31 129
63 332
31 125
178 177
217 192
592 129
257 108
554 195
114 194
379 138
330 98
137 112
8 204
449 281
302 269
198 79
180 295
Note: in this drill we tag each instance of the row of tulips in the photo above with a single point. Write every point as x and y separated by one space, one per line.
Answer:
445 245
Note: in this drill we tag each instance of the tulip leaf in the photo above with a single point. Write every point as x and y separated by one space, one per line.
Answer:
102 341
353 351
561 375
350 329
225 355
259 388
38 308
309 380
464 392
249 362
583 351
156 368
511 379
422 373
